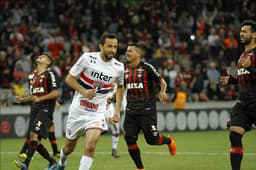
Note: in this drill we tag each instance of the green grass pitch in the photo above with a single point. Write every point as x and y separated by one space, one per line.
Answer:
195 151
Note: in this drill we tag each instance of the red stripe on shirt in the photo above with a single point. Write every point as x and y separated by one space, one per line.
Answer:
146 84
141 91
91 82
134 80
45 84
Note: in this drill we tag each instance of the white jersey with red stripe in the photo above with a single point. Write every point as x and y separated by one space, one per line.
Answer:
93 72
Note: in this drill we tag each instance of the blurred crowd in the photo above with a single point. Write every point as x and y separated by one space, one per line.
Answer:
191 43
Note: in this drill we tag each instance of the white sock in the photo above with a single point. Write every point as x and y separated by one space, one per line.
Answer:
63 158
115 140
85 163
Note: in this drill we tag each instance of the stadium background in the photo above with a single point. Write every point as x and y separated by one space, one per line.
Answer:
191 43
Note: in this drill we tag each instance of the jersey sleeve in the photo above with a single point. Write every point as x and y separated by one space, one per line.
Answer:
79 66
52 83
120 78
153 73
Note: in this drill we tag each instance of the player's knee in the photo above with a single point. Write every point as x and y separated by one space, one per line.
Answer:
152 140
68 148
130 140
235 138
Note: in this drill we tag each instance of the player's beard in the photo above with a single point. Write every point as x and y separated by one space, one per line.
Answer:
246 41
108 57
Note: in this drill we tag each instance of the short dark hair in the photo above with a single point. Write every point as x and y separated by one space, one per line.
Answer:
140 46
107 35
249 23
49 57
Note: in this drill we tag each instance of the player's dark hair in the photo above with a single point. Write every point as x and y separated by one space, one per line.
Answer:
250 23
107 35
140 46
49 57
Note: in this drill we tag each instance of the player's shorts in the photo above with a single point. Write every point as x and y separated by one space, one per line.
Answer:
146 122
41 120
80 121
243 115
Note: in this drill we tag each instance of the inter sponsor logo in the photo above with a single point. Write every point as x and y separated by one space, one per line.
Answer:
134 85
101 76
242 71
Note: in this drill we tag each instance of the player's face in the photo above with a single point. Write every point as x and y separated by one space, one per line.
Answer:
246 35
109 48
43 59
132 54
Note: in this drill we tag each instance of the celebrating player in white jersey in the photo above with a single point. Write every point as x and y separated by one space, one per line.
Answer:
92 77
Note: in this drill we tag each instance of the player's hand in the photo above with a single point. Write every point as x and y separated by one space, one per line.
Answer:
90 93
18 99
35 99
163 97
116 117
110 99
111 121
245 62
57 104
224 80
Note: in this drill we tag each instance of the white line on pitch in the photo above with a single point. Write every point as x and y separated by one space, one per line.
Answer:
155 153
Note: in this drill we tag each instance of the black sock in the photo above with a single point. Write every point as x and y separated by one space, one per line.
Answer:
31 150
25 146
163 140
44 153
236 152
53 142
134 152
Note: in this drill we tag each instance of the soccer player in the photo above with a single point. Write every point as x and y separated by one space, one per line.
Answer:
43 90
243 113
96 71
140 80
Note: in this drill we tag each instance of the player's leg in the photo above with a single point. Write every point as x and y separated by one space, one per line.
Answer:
115 139
75 125
66 150
131 135
152 135
22 155
239 123
53 141
92 136
236 152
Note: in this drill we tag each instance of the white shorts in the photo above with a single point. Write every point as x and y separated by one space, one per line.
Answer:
78 123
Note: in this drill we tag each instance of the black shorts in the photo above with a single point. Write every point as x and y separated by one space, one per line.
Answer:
243 115
41 120
147 122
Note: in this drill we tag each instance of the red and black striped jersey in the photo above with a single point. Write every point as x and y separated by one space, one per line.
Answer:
247 78
140 83
42 84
